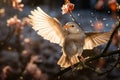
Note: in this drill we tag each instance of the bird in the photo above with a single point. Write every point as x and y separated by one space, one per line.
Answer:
71 37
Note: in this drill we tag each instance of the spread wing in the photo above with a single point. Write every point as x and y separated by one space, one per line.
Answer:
47 27
95 39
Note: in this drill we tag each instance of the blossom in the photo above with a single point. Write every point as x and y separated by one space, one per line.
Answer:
5 71
17 4
14 21
35 58
113 5
26 21
98 25
67 1
35 72
27 40
68 7
17 23
99 4
2 12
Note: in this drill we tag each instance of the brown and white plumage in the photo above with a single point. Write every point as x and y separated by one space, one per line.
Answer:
72 38
94 39
49 28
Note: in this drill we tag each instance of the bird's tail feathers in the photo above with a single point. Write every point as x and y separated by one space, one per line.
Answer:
64 61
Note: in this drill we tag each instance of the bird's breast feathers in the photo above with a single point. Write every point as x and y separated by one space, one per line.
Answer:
77 36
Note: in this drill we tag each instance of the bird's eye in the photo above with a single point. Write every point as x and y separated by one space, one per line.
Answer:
72 25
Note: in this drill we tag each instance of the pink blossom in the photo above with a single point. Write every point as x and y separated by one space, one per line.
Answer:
98 25
35 58
17 23
68 7
27 40
2 12
5 71
34 70
17 4
26 21
14 21
99 4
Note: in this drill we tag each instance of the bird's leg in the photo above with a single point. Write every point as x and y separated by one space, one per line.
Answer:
81 58
71 65
70 61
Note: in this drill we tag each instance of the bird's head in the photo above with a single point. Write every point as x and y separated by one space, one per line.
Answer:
72 27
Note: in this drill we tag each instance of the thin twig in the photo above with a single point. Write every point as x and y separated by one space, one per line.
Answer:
111 38
103 55
73 19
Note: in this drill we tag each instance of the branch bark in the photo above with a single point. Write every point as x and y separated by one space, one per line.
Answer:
89 60
111 37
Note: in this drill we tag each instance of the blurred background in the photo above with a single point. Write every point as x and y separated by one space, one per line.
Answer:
24 55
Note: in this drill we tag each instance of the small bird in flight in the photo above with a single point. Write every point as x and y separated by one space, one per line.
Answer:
70 37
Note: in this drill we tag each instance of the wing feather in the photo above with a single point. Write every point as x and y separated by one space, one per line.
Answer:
95 39
47 27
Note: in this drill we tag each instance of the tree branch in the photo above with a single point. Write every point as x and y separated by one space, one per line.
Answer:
89 60
111 37
108 71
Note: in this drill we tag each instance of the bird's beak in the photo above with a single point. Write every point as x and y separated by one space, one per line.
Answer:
66 27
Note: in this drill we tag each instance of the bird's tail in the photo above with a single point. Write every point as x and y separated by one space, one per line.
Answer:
64 61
